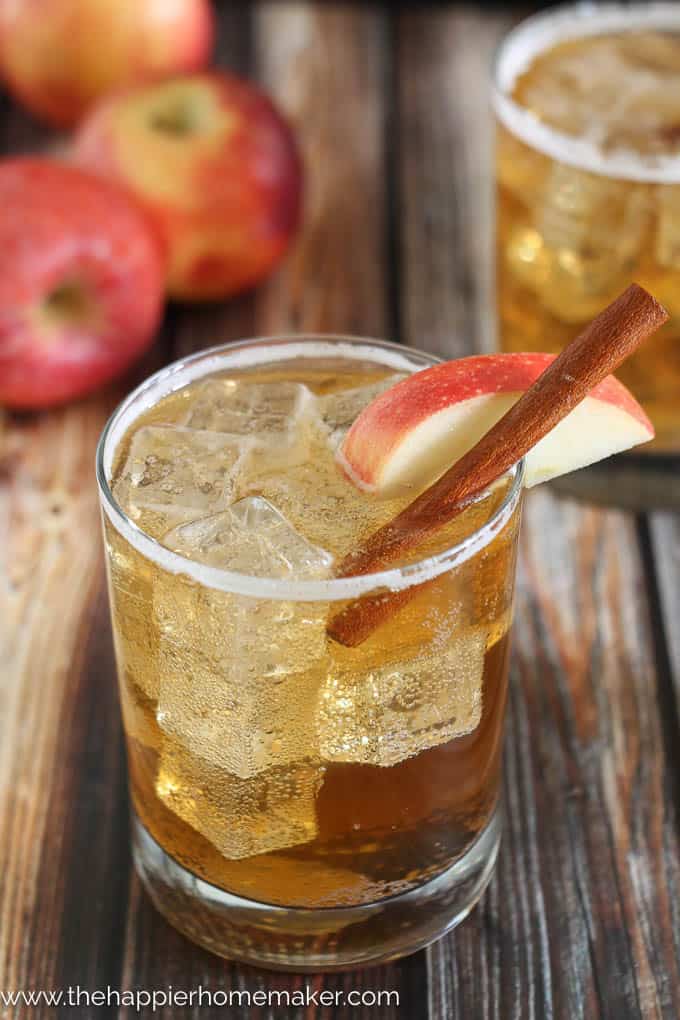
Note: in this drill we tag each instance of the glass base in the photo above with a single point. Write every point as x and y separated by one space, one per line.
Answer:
282 938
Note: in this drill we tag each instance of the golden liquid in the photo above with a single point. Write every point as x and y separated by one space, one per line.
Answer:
568 240
285 768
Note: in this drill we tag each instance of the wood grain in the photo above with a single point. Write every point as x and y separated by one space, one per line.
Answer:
665 554
445 138
51 558
326 66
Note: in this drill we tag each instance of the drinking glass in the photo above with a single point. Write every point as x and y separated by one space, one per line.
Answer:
587 101
296 803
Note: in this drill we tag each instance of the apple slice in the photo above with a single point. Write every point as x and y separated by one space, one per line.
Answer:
409 435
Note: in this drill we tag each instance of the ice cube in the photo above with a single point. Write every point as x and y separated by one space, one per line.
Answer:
385 714
582 241
139 716
240 817
521 170
243 724
176 473
338 410
250 537
319 501
239 676
667 246
244 408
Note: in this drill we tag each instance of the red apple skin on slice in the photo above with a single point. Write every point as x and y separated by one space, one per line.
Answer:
81 282
409 435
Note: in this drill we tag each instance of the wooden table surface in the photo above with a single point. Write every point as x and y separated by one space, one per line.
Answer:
582 919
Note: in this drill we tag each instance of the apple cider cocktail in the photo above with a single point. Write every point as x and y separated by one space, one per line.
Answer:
588 174
298 802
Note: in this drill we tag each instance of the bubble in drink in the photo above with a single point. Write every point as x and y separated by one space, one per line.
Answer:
242 688
139 716
386 714
238 720
177 473
241 818
335 516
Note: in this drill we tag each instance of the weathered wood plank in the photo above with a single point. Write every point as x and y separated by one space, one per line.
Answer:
665 545
581 919
49 577
445 140
326 66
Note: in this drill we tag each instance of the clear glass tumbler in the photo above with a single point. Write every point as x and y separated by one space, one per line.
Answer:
299 804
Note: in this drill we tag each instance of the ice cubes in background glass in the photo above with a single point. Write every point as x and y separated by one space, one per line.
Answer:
582 243
250 537
241 818
176 473
385 714
338 410
667 247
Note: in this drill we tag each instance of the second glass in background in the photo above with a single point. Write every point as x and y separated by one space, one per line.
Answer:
588 184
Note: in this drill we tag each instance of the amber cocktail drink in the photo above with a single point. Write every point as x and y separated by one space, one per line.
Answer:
298 803
588 173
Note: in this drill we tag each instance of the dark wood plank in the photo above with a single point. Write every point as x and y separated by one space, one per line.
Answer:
326 65
665 547
580 919
445 143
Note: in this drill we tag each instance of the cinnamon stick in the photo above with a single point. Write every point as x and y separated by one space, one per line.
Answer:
609 339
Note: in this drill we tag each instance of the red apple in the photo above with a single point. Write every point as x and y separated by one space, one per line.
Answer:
81 282
59 56
409 435
217 167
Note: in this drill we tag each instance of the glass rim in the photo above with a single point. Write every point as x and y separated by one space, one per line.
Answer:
330 589
536 33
